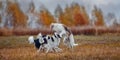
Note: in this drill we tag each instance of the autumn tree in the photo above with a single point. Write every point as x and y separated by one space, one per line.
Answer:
97 13
46 17
58 13
19 19
85 15
72 15
4 16
79 15
111 18
67 17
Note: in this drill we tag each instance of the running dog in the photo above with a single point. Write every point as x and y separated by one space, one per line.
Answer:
64 32
47 42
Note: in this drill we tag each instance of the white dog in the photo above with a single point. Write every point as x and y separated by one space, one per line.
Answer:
46 42
64 32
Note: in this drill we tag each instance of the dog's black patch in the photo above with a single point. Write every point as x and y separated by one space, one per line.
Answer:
68 30
59 36
44 36
37 43
52 39
48 37
45 41
55 36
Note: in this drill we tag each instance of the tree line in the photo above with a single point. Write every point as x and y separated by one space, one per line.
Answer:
72 15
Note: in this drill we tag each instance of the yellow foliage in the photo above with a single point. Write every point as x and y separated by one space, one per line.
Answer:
66 18
46 18
80 15
74 16
19 19
99 17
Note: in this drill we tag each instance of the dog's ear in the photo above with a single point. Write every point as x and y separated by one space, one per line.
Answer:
39 35
67 29
51 25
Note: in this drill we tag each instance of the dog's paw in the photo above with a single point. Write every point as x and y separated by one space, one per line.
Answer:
60 50
38 51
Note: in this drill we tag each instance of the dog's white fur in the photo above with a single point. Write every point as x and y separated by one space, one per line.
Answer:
39 37
50 46
31 40
65 32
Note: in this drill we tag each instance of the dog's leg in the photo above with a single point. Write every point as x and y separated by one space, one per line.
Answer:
39 49
48 48
64 40
57 49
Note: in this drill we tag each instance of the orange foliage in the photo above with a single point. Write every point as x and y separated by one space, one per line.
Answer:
66 18
46 18
80 15
99 17
79 20
19 19
74 15
85 15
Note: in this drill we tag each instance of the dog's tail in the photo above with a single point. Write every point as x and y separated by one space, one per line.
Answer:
72 42
75 45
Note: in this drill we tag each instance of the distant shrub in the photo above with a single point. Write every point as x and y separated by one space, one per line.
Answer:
86 30
5 32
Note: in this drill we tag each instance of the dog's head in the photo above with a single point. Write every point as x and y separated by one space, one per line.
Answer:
57 27
31 40
39 36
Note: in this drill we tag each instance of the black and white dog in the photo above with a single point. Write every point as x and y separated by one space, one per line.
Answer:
65 33
47 42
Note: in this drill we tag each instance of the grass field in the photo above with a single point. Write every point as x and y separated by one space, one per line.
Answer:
103 47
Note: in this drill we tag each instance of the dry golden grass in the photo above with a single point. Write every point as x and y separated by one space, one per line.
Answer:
103 47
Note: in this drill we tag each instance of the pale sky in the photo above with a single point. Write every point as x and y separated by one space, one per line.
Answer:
112 6
106 5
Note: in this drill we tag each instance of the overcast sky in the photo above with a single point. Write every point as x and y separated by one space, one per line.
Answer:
105 5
